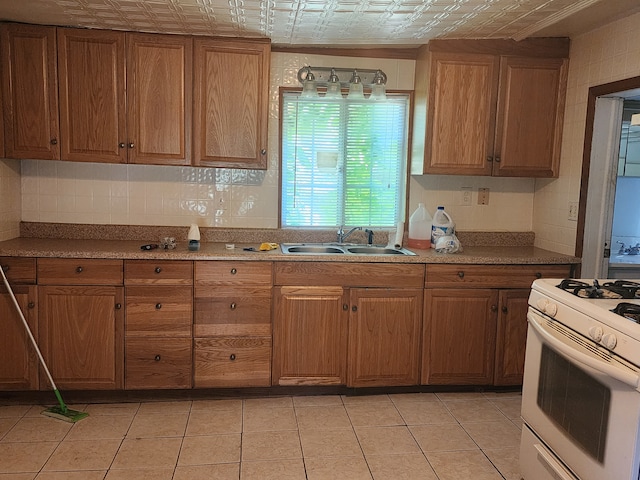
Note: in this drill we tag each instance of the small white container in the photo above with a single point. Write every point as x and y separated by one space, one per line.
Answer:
420 228
441 225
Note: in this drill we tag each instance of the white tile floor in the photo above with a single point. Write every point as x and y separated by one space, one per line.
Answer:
444 436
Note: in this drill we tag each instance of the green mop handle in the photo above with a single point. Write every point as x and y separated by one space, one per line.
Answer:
33 340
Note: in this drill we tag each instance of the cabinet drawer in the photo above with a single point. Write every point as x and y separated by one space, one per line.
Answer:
157 363
158 311
151 272
19 270
232 273
349 274
232 362
79 271
491 276
232 311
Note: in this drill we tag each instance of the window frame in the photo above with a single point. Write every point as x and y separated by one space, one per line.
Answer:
282 90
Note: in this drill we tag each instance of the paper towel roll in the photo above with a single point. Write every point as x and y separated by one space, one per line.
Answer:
399 233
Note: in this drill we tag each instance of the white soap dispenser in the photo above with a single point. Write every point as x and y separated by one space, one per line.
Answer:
194 237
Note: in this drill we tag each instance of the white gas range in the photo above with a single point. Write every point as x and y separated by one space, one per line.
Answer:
581 398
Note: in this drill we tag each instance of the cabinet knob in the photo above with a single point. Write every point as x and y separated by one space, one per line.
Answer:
232 357
497 159
489 158
121 145
233 271
494 308
461 274
157 358
31 305
354 308
118 306
158 270
505 309
54 141
538 275
158 306
345 306
232 306
131 145
79 269
263 152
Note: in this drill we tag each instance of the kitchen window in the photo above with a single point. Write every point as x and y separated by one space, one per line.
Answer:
343 162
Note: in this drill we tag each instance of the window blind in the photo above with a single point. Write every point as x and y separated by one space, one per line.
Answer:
343 162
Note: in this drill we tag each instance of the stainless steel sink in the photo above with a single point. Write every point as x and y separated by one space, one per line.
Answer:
340 249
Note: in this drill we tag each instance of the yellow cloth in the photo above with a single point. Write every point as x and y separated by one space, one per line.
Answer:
268 246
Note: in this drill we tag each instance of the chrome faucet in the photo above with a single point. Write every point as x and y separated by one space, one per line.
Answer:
343 236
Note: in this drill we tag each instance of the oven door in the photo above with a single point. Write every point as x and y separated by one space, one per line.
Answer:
581 404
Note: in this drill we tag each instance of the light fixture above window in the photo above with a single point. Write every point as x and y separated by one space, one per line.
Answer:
335 79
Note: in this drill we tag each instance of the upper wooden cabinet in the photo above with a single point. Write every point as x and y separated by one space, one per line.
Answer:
91 66
159 99
490 107
231 94
30 92
151 122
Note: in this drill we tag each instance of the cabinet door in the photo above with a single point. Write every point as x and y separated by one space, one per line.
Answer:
91 67
18 360
231 91
384 337
81 335
461 115
530 113
511 337
159 99
459 336
30 92
310 336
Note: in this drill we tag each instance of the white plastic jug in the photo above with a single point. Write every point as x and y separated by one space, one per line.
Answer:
420 228
442 224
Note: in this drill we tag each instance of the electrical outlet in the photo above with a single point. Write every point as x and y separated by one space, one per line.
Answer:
483 196
573 211
466 194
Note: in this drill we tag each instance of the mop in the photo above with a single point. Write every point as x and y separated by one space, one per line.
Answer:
61 411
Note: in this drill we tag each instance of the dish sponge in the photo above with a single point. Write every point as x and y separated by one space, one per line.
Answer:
268 246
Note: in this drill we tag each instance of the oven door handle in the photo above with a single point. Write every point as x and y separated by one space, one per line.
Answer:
628 378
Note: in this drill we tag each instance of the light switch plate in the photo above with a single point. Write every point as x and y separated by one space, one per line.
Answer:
573 211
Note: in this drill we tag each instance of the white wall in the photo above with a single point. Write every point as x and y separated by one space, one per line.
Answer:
10 205
604 55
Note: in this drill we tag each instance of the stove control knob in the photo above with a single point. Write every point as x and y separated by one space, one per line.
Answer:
596 333
551 309
542 303
609 341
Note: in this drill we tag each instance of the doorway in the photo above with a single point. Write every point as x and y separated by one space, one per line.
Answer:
599 174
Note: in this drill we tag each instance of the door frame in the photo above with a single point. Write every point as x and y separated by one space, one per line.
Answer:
607 89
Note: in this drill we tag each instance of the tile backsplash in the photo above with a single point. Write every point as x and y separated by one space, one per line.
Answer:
94 193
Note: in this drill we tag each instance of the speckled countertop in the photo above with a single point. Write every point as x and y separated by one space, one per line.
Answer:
130 249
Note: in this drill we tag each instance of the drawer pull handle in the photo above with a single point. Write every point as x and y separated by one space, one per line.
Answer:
158 270
79 269
461 274
121 145
118 306
232 357
263 152
233 306
157 358
538 275
158 306
131 145
494 308
497 159
505 309
345 306
54 141
354 308
233 271
31 305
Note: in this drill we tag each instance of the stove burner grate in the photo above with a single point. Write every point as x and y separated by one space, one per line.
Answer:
614 290
628 310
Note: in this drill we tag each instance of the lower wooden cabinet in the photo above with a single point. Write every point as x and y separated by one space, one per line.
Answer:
511 337
310 335
158 363
81 332
459 336
226 361
18 360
